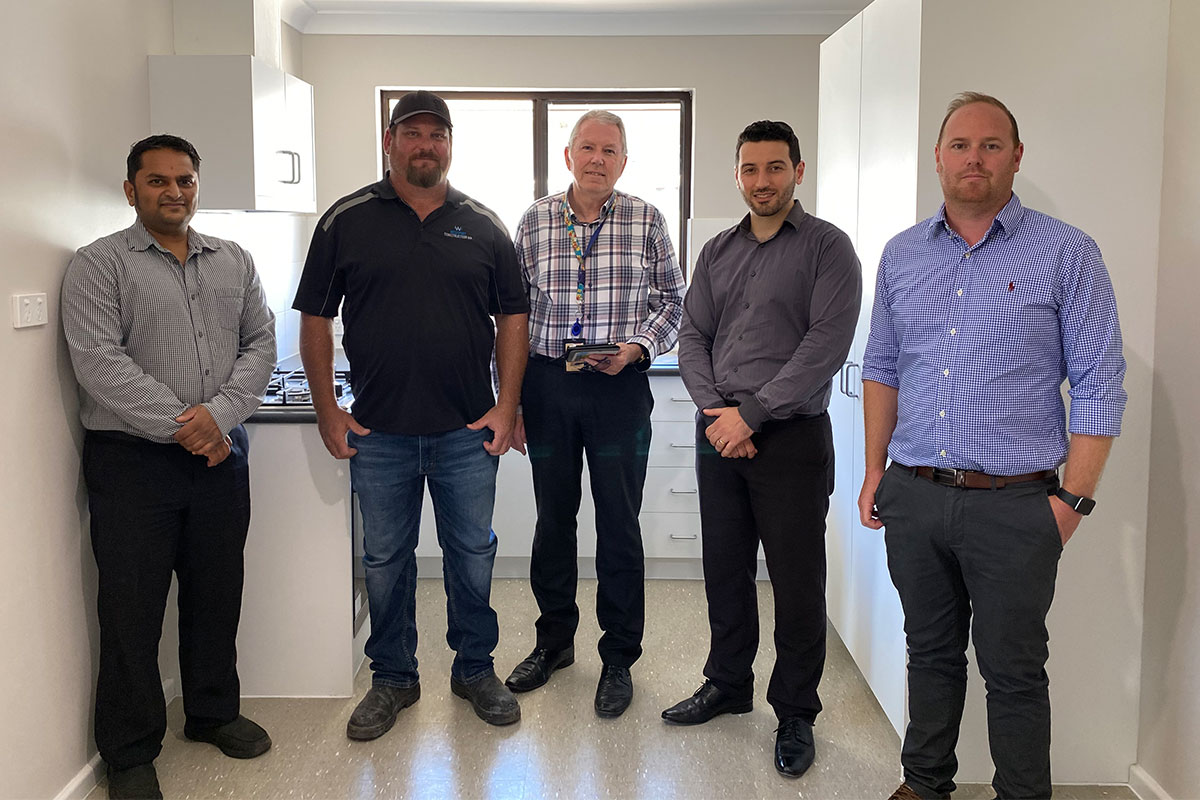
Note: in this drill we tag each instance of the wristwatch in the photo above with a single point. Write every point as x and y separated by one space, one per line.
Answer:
1082 505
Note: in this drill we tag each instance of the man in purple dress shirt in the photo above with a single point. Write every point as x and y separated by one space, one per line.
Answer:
980 313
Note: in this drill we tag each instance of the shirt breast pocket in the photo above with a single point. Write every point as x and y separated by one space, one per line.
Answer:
229 304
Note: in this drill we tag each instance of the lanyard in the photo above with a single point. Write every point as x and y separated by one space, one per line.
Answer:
582 254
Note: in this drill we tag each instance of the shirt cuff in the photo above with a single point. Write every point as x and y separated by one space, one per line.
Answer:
880 376
753 413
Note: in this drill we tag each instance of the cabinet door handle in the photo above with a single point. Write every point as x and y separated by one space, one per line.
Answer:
293 166
849 381
684 536
842 378
681 399
684 445
683 491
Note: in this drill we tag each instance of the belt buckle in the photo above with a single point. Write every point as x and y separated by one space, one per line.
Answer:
950 477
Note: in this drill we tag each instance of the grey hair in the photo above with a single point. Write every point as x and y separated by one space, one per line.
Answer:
603 117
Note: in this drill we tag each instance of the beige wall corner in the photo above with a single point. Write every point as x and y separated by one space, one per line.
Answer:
1170 700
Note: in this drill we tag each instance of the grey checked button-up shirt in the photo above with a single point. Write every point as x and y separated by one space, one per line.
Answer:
767 324
149 339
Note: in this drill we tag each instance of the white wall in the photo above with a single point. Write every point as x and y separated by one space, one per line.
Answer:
738 79
1170 702
75 89
1088 90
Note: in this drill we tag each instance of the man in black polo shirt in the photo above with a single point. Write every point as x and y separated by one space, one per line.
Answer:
419 270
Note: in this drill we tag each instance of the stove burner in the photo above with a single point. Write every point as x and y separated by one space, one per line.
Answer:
290 388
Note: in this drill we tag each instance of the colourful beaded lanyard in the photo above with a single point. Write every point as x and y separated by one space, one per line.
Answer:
582 254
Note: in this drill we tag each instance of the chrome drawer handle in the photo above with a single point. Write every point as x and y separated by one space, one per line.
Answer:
684 536
683 491
684 445
681 399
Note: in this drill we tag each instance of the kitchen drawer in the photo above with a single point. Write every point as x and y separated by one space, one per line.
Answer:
671 535
671 400
673 444
670 489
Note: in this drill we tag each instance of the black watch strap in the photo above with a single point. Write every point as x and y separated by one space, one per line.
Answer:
1082 505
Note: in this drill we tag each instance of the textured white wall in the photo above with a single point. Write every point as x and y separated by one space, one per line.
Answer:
75 89
1170 707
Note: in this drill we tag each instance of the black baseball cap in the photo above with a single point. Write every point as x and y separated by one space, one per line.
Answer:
420 102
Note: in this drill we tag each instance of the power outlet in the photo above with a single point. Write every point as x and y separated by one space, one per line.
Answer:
29 310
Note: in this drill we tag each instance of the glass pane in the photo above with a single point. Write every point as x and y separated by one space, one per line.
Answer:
653 131
492 155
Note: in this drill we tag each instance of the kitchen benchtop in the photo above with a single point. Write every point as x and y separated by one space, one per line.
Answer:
667 364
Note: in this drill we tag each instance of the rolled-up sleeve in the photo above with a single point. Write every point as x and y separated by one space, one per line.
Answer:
1091 333
882 350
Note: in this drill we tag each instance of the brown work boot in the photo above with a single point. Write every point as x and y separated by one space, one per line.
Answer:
905 792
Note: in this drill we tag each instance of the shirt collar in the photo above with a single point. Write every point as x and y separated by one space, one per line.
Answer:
794 218
1005 223
605 210
140 239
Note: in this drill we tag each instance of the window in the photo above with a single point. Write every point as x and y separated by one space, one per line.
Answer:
508 147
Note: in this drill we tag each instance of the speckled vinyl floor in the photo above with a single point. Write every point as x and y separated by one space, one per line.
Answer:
560 748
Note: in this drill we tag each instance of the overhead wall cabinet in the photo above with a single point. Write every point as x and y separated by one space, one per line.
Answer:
1082 86
251 122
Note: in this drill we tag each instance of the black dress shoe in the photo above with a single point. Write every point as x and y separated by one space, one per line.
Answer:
614 692
706 703
134 783
241 738
535 670
492 700
376 713
794 748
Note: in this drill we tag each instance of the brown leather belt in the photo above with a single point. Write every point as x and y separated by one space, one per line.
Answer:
968 479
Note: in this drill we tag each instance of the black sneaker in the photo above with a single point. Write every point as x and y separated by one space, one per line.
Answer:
492 700
241 738
134 783
376 712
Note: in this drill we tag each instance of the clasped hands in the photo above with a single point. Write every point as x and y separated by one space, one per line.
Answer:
729 434
201 436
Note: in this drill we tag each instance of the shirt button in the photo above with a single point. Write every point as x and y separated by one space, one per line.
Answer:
960 292
200 334
966 255
953 331
752 274
943 454
735 369
946 372
193 297
739 338
747 305
942 413
209 372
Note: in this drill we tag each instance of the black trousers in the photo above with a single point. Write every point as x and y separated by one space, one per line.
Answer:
157 509
781 498
982 562
608 418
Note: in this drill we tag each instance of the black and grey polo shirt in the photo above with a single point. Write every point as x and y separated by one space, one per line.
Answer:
416 302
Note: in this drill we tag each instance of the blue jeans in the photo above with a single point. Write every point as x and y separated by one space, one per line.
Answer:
388 474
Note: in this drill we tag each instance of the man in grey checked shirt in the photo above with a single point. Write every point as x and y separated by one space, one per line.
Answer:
600 270
981 311
172 344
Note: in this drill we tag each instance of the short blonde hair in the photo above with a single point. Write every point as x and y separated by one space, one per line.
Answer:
968 98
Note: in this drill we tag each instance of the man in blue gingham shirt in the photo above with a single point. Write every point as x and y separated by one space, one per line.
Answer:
600 269
980 313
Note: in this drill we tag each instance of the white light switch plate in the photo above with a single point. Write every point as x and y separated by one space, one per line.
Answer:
29 310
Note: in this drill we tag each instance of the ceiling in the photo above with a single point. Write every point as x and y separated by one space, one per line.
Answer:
570 17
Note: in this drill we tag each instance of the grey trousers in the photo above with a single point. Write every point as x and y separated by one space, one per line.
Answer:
981 561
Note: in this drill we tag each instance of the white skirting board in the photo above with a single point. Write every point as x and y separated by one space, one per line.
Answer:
1145 786
86 779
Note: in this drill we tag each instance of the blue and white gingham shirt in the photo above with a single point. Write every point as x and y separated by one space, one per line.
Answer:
634 287
978 340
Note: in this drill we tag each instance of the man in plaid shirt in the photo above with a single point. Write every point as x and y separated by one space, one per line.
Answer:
600 269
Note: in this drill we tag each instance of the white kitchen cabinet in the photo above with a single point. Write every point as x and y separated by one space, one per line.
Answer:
251 122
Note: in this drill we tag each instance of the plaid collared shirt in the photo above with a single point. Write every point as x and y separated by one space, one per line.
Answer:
633 286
